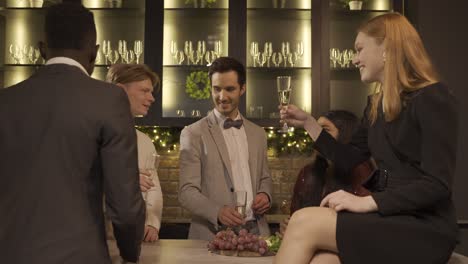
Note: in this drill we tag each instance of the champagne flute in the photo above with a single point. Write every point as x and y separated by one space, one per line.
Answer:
129 57
12 52
300 49
203 51
241 202
284 92
174 50
31 54
138 49
113 56
199 52
150 165
179 56
37 54
218 48
210 56
122 50
189 51
16 53
106 49
269 53
277 58
254 52
285 51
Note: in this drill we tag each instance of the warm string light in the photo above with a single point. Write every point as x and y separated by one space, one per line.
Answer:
164 139
295 142
291 143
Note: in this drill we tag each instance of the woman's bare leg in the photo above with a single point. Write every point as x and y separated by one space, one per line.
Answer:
310 230
325 257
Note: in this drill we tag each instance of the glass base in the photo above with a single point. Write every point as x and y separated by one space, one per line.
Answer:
284 129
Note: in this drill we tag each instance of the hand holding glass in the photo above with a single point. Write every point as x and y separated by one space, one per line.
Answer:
150 165
241 202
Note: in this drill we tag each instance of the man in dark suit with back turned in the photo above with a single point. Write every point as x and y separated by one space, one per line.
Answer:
65 140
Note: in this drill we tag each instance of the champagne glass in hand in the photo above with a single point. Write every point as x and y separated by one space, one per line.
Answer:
284 92
150 165
241 202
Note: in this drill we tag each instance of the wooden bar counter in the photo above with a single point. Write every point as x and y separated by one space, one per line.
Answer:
174 251
182 251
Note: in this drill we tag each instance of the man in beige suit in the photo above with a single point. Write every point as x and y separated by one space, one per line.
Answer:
223 153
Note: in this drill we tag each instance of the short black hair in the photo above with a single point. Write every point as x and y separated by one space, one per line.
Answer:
68 26
225 64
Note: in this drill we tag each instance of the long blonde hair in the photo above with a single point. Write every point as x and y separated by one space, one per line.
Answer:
407 64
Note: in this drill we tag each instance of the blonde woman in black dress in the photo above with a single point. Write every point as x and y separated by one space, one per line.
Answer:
410 129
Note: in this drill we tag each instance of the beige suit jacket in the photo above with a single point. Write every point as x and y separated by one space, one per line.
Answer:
205 183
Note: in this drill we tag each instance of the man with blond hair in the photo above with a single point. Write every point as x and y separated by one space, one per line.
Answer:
140 82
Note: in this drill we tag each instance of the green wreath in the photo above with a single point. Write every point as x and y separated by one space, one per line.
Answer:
198 86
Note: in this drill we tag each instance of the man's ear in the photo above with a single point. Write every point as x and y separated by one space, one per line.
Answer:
94 51
122 86
43 49
242 89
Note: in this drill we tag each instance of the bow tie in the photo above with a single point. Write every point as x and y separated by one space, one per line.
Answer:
228 123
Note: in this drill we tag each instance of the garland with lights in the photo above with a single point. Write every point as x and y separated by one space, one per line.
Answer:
198 86
165 139
295 142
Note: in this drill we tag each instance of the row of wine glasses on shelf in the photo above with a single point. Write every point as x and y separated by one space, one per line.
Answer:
40 3
193 113
198 56
122 52
253 112
285 56
25 54
341 59
210 3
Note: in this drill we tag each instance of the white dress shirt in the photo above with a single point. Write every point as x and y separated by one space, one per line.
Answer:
68 61
238 149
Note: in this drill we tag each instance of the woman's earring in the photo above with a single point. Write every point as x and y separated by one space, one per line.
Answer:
383 55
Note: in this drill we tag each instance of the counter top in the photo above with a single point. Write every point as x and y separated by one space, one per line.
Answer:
174 251
271 219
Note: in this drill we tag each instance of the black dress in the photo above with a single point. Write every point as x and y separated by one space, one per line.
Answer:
415 221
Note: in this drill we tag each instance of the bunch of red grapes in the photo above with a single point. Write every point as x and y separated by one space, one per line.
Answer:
228 240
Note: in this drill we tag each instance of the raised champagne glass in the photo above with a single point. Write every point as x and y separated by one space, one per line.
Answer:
284 93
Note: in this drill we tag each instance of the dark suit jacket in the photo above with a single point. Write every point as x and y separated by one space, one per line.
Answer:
65 139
